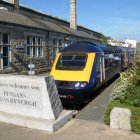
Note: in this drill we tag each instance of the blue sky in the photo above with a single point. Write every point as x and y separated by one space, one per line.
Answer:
119 19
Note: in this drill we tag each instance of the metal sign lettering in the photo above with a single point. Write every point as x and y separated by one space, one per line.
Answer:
19 47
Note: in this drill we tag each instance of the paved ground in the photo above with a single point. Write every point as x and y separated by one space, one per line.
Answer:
88 125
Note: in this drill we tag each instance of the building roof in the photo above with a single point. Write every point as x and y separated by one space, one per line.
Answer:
18 19
78 33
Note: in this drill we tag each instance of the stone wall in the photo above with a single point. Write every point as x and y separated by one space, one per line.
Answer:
18 56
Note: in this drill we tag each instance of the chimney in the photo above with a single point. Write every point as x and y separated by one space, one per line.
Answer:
16 6
73 16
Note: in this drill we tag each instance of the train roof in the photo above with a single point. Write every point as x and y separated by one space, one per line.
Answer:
126 49
89 47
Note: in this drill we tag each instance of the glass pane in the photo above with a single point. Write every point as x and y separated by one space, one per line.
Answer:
54 41
28 51
5 61
60 42
40 51
39 41
29 40
5 38
34 51
34 40
5 56
72 62
5 51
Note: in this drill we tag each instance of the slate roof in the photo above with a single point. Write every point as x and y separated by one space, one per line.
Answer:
18 19
78 33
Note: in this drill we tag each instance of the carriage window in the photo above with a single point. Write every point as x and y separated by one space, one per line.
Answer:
112 60
71 62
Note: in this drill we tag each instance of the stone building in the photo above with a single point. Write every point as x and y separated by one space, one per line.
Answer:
28 36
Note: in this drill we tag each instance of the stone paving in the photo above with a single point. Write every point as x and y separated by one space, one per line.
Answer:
88 125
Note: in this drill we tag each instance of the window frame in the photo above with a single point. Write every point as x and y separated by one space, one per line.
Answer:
77 68
34 44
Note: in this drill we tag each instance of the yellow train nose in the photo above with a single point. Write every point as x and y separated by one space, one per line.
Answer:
72 74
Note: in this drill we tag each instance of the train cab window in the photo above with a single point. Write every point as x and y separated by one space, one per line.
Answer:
71 62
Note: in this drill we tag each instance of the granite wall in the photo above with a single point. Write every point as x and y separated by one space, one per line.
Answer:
18 52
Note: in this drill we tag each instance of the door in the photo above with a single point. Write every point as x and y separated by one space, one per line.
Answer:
100 69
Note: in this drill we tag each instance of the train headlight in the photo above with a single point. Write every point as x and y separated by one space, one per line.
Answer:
83 84
77 84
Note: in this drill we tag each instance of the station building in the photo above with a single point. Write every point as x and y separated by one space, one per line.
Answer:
28 37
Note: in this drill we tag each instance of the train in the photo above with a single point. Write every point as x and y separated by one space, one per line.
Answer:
83 67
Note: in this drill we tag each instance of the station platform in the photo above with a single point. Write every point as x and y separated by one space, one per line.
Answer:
87 125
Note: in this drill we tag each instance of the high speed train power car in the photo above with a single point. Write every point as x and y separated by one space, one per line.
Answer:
82 67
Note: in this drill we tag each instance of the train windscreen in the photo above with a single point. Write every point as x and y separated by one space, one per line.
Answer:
71 62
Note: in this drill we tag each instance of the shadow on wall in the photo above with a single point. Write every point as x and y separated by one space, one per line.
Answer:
21 61
14 67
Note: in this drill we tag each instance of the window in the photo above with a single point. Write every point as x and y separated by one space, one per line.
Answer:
39 41
34 51
54 41
5 50
40 51
5 56
112 60
60 42
5 38
29 40
34 46
0 39
29 51
72 62
34 41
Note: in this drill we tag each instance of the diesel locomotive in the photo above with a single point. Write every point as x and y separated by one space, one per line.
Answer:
81 68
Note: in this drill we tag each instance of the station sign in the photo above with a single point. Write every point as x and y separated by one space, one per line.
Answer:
19 46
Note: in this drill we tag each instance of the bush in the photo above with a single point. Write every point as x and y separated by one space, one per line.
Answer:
135 120
131 96
126 94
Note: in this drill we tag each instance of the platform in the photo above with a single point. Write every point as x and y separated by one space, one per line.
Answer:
87 125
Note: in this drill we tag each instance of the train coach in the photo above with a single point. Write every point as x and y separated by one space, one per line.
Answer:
82 67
